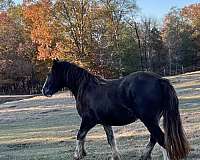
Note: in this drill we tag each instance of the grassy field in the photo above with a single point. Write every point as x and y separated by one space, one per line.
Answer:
43 128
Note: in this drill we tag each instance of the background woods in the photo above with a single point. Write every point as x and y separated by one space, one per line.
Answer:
100 35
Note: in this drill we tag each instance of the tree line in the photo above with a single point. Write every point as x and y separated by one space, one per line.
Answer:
103 36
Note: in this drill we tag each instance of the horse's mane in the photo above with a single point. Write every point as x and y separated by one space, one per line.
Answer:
79 73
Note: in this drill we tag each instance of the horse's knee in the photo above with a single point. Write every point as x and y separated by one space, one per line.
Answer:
81 135
110 135
156 132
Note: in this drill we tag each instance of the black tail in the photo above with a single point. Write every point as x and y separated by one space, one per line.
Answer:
176 143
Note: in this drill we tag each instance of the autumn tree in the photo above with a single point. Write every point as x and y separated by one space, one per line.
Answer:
191 14
171 36
17 50
102 36
178 34
39 25
14 47
85 32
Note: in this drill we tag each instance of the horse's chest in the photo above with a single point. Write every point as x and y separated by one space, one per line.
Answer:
81 108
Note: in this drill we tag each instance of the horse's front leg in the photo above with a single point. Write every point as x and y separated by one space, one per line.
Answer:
112 142
86 125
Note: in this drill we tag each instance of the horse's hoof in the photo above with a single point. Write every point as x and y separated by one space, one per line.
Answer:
78 156
116 157
84 153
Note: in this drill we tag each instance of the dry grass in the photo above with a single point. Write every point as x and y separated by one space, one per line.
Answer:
42 128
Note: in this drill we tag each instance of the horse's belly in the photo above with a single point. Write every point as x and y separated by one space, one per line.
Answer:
116 122
119 117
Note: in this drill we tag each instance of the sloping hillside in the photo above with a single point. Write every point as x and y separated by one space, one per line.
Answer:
45 128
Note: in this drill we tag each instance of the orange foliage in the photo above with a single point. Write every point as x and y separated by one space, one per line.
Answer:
37 16
192 12
4 18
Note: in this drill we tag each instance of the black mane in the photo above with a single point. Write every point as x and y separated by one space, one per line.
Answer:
77 77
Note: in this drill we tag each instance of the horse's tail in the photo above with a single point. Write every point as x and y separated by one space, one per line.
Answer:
176 143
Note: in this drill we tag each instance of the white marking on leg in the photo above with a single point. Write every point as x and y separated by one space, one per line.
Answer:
165 156
44 86
78 154
112 142
114 148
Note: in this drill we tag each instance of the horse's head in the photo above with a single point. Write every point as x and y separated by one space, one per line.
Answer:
55 79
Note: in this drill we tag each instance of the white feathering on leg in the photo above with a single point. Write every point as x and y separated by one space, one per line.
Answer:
79 149
165 156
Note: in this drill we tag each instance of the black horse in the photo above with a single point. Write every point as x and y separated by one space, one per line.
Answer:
141 95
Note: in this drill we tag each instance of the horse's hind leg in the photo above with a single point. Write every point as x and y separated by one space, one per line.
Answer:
86 125
157 133
147 152
112 142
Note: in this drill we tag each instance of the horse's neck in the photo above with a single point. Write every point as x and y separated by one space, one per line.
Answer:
77 79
